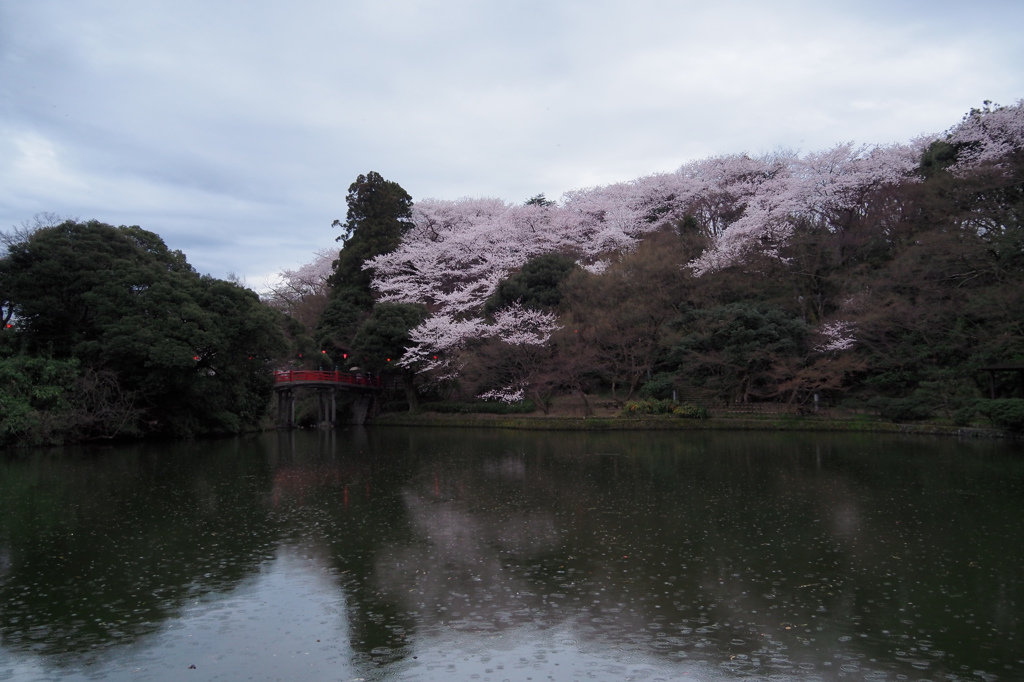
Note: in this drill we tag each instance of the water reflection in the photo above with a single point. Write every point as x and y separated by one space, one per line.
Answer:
437 554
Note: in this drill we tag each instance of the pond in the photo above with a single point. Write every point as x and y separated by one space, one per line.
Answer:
465 554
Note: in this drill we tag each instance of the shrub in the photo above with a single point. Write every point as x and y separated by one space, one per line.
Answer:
35 400
635 408
659 387
524 407
964 415
1005 412
691 411
638 407
915 407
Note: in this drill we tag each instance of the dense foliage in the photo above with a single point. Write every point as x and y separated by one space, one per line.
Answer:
478 407
882 277
112 334
887 277
379 215
636 408
536 285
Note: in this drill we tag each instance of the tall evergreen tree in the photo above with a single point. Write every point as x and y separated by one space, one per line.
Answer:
379 214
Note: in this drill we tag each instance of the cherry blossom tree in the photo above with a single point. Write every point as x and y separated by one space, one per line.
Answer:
454 253
457 252
820 187
987 135
438 342
517 359
302 293
836 335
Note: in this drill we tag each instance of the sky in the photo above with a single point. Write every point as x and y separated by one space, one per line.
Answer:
233 128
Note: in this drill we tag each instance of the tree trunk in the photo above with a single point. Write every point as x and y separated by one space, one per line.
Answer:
587 410
541 403
408 382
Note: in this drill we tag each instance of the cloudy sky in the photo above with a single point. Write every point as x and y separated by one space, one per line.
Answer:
233 128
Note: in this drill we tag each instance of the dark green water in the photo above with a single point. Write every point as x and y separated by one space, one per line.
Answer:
435 554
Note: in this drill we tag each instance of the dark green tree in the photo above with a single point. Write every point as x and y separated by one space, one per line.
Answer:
383 338
191 353
539 200
44 401
939 156
379 214
35 399
741 351
339 323
620 316
536 285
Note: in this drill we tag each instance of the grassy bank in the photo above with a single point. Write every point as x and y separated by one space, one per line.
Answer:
617 423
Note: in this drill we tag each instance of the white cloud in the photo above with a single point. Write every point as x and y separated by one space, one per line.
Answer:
233 129
35 163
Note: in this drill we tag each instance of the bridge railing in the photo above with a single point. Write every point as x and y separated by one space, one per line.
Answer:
287 376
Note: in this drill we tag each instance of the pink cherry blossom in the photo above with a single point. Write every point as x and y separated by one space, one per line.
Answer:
457 251
836 335
987 135
510 394
294 288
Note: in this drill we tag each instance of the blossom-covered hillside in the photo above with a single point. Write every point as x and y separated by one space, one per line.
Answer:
813 237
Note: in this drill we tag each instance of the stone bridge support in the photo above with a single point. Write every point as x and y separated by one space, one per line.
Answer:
286 408
328 407
362 407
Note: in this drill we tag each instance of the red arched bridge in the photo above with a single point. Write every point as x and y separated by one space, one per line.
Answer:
326 384
293 377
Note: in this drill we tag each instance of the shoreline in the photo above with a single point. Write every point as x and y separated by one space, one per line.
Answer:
666 423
